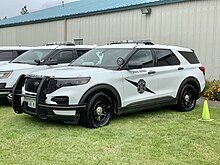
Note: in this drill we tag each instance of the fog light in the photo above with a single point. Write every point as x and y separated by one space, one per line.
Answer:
61 100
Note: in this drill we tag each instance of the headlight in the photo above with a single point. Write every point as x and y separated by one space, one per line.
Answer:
5 74
72 82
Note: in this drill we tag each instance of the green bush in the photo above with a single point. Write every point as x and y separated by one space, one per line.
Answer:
212 90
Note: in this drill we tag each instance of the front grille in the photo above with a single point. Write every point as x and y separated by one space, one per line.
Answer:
32 84
2 85
52 86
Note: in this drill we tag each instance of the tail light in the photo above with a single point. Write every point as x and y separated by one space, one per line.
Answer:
202 68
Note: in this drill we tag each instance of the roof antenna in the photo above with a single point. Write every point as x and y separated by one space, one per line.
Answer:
62 3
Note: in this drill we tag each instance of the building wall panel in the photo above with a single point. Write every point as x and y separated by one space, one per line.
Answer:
191 24
33 35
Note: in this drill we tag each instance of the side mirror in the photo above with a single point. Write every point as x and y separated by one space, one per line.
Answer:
51 62
134 66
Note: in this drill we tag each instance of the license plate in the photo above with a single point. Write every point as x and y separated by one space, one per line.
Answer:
31 102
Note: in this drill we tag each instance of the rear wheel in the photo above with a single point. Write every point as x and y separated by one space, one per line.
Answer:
99 111
187 98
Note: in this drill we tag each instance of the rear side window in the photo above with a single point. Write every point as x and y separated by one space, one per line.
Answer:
190 57
166 57
21 52
81 52
6 55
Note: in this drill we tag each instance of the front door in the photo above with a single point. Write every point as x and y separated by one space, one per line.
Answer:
139 78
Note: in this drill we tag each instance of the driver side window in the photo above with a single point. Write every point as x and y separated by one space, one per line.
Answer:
142 57
64 57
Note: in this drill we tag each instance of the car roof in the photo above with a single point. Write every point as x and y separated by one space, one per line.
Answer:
156 46
15 48
66 47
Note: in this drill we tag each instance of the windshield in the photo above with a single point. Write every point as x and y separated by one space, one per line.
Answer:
103 58
31 56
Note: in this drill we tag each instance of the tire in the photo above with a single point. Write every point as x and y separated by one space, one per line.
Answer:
99 111
187 98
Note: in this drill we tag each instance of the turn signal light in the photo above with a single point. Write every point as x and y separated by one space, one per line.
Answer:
202 68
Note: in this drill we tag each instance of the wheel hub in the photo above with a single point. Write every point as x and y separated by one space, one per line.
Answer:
99 111
187 98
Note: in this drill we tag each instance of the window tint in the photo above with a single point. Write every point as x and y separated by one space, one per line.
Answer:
143 57
6 55
64 57
166 58
81 52
190 57
20 52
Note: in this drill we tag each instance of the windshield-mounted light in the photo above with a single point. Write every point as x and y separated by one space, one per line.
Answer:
5 74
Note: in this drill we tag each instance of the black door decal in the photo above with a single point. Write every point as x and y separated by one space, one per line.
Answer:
141 86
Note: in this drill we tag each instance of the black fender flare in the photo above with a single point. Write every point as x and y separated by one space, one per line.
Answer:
189 80
101 87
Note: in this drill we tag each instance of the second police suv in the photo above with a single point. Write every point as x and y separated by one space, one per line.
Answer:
111 80
38 58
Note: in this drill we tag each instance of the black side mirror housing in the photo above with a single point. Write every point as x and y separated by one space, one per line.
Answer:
51 62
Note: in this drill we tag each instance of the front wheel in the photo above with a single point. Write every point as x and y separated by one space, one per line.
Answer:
99 111
187 98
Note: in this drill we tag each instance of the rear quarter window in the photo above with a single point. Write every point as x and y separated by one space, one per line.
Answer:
6 55
190 57
166 57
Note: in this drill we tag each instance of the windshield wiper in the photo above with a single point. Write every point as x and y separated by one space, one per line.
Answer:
37 61
19 62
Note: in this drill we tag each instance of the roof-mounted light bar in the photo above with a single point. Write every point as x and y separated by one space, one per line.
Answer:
145 42
60 44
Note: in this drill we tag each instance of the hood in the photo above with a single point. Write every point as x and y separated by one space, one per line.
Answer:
69 72
3 62
14 66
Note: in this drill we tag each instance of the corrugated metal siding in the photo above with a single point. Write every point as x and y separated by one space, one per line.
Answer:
192 24
79 8
33 35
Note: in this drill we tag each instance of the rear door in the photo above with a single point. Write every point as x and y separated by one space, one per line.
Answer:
169 71
140 84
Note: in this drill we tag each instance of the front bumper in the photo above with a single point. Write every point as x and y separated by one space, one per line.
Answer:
67 113
5 91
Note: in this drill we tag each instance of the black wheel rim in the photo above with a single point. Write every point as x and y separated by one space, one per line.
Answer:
188 99
101 112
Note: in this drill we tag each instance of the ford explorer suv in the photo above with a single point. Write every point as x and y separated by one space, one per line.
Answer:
111 80
9 53
39 58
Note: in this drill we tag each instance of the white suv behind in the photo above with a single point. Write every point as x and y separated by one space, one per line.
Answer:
38 58
111 80
9 53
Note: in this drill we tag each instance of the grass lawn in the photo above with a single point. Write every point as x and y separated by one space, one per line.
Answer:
151 137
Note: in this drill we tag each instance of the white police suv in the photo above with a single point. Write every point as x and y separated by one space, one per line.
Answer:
9 53
112 80
39 58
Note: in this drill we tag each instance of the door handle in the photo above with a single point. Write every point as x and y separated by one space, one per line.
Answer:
180 68
151 72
